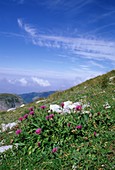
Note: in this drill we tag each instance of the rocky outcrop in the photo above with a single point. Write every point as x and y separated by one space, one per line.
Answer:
8 101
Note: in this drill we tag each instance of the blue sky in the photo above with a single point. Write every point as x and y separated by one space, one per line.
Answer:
54 44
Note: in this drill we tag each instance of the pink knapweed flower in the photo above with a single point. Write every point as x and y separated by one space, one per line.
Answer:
43 107
95 133
62 104
79 108
31 113
54 150
18 131
68 124
21 118
51 116
79 127
38 131
98 113
31 109
39 144
25 116
47 117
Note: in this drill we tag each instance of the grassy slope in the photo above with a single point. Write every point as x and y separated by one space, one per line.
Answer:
95 91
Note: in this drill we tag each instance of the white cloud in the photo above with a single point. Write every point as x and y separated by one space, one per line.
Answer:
20 23
29 29
23 81
85 47
40 81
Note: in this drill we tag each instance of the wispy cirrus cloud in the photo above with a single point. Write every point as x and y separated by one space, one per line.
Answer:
86 47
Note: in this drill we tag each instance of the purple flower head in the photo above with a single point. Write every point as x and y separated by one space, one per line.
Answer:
31 113
54 150
31 109
47 117
68 124
51 116
98 113
79 127
39 144
79 108
62 104
38 131
43 107
18 131
95 133
25 116
21 118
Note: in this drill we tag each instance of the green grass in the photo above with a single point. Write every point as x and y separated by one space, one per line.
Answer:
80 148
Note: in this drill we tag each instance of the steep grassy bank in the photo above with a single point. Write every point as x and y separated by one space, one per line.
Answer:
83 139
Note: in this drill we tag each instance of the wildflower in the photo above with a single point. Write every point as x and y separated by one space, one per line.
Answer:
39 144
79 127
98 113
95 133
18 131
31 113
43 107
21 118
38 131
79 108
51 116
31 109
47 117
62 104
68 124
25 116
54 150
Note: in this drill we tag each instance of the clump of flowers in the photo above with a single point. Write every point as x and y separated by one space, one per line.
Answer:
25 116
54 150
39 144
31 113
95 134
79 127
38 131
51 116
43 107
78 108
62 104
31 109
68 124
18 131
21 118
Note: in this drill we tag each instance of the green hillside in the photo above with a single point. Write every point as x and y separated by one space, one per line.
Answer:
81 140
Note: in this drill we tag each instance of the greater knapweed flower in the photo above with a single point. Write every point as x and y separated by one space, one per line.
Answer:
54 150
21 118
47 117
31 113
25 116
18 131
95 133
39 144
43 107
62 104
78 108
68 124
51 116
98 113
79 127
31 109
38 131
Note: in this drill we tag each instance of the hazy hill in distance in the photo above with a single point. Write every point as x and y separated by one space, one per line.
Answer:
30 97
